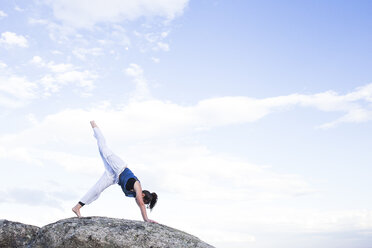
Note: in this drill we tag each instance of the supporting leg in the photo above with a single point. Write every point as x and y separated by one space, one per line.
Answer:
105 181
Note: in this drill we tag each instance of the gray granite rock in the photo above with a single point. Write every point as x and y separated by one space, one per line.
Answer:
15 234
106 232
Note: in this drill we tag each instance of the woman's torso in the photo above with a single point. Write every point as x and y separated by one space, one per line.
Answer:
127 180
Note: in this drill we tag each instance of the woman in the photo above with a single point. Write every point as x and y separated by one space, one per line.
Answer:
116 171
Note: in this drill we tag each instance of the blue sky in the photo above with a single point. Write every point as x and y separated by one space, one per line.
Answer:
250 119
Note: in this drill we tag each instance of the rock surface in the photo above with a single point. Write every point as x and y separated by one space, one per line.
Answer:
15 234
96 232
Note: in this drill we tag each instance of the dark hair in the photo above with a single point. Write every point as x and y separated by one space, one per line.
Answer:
150 199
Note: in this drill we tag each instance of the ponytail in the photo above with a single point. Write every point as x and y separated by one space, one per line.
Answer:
153 200
150 199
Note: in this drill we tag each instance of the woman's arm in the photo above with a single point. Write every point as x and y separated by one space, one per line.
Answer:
139 199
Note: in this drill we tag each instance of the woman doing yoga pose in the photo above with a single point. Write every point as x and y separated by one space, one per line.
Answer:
116 172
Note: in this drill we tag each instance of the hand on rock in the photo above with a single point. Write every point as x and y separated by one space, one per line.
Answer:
152 221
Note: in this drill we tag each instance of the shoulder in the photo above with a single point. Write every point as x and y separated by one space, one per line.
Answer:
137 188
137 185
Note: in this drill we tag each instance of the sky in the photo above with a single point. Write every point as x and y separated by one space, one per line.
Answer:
251 120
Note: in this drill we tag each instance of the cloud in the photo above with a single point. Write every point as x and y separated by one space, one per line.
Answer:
37 60
56 140
155 40
35 197
156 60
311 220
62 74
115 33
57 32
3 14
3 65
152 119
163 46
21 154
189 168
19 9
57 52
164 34
85 14
81 53
142 91
16 91
41 157
12 39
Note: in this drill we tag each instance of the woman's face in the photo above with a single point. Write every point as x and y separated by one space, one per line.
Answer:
144 200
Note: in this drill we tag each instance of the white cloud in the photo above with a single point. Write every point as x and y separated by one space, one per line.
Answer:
81 53
310 220
155 40
156 60
61 141
164 34
12 39
150 37
59 68
3 65
134 70
120 36
62 74
37 60
57 32
3 14
85 14
176 164
57 52
16 91
163 46
35 197
31 118
19 9
142 91
65 34
38 21
11 102
81 79
21 154
355 115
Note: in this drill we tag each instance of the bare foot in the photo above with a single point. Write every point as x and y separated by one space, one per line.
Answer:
76 210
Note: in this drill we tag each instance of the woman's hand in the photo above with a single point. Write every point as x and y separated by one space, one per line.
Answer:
151 221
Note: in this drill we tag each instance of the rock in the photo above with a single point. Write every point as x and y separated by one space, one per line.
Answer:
98 232
15 234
